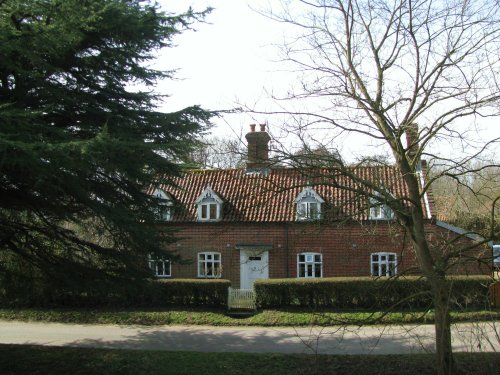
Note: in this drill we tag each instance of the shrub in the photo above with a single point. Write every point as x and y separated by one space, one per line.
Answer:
145 293
470 291
367 292
166 292
188 292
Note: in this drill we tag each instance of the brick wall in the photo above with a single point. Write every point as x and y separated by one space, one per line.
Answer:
346 249
472 259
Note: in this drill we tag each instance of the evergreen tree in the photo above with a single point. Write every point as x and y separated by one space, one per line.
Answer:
79 145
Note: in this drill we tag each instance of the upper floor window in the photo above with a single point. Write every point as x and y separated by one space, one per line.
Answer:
308 205
209 206
380 211
383 264
309 265
209 265
164 209
160 267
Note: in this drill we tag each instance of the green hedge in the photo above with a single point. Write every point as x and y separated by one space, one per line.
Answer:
187 292
146 293
368 292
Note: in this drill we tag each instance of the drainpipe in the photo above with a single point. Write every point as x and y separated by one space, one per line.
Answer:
287 268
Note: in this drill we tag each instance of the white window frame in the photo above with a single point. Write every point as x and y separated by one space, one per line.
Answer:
304 211
496 255
305 200
209 260
207 199
380 211
165 205
383 262
310 262
207 207
166 266
165 211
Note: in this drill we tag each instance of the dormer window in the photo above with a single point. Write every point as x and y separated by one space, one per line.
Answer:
308 205
165 205
380 211
209 206
208 211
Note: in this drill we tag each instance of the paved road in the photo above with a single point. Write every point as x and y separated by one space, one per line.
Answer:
347 340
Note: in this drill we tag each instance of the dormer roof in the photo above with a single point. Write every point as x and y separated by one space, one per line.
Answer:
309 192
162 194
208 194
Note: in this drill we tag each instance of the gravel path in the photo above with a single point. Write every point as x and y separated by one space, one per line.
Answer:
345 340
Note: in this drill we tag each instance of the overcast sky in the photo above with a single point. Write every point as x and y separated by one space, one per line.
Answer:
226 61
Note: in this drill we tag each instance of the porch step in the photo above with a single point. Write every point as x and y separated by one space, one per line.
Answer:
241 314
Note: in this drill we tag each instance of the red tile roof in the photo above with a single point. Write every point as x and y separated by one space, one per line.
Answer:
270 198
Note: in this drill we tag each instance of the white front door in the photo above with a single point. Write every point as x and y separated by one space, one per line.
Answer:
254 264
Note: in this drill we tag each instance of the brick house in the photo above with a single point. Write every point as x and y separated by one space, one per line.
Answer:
272 222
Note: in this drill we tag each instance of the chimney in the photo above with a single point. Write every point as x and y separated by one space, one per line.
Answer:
258 147
411 132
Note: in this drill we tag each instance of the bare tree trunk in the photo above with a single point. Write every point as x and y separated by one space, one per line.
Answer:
444 356
435 275
445 365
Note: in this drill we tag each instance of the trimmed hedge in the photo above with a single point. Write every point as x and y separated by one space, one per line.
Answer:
147 293
188 292
368 292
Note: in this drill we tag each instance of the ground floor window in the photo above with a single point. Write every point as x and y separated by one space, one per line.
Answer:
209 264
496 255
160 267
309 265
383 264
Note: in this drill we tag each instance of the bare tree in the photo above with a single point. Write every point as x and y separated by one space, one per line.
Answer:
374 69
466 201
218 153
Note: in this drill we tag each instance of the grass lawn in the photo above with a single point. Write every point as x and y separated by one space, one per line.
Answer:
266 318
21 359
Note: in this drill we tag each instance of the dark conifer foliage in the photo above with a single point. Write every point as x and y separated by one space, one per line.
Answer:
79 143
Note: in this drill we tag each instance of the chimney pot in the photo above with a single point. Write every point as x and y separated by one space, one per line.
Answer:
258 147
